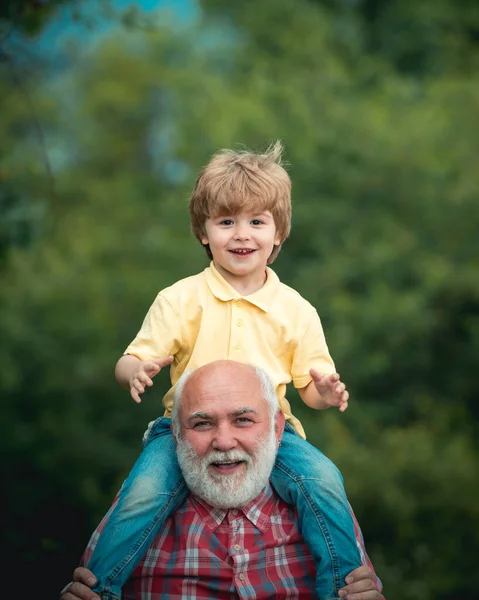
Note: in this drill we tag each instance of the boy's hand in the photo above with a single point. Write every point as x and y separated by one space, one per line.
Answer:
331 389
143 374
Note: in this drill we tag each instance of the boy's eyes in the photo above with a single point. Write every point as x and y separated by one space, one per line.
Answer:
231 222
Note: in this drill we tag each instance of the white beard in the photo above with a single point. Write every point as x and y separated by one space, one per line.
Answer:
228 491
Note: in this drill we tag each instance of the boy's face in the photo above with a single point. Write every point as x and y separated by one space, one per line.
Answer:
241 244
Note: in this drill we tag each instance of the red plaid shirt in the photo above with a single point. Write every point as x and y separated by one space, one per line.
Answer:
205 552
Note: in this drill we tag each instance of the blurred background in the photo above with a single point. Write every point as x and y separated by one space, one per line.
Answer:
108 109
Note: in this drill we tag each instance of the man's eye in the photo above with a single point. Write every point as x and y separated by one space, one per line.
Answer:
202 424
243 421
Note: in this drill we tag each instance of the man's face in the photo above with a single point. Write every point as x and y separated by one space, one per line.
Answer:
228 441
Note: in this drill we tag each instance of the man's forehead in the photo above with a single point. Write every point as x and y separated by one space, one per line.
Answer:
225 401
203 414
223 389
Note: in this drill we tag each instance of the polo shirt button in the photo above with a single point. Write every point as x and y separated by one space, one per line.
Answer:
237 346
237 547
239 303
241 576
235 512
239 322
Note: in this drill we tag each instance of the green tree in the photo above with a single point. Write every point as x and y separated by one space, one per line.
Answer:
28 16
384 244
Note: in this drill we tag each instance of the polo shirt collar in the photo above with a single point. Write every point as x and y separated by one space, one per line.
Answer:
258 511
222 290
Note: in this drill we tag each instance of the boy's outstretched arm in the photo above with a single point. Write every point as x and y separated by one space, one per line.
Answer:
136 375
325 390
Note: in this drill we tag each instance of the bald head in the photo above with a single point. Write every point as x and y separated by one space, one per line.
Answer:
227 374
225 380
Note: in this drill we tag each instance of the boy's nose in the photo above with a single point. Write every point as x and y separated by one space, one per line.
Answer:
242 233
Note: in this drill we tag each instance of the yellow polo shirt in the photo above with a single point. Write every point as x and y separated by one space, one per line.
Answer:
203 318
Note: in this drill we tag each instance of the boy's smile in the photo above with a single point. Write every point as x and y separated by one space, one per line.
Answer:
241 245
242 251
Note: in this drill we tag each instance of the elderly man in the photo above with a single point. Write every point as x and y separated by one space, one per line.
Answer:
234 537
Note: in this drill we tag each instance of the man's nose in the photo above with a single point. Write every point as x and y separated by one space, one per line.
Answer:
224 439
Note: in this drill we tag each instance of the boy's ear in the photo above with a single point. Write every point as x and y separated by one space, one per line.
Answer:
204 241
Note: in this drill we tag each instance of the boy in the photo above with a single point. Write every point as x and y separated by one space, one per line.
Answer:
237 308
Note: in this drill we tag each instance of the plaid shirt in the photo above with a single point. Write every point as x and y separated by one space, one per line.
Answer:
205 552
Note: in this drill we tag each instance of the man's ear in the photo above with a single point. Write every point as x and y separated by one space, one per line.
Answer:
279 422
173 434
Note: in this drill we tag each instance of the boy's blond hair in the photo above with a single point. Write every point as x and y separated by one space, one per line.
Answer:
235 181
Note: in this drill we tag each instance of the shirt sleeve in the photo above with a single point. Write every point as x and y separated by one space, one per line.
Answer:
311 353
365 560
160 334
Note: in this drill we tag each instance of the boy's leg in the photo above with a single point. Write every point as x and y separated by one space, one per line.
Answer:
304 477
153 491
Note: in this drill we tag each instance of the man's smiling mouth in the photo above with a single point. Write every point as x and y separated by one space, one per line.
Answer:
227 466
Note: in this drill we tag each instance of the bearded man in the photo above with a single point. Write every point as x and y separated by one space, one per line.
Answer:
233 537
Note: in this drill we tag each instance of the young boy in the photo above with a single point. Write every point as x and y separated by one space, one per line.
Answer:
235 309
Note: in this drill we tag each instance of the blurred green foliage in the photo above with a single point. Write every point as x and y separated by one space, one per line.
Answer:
376 105
29 16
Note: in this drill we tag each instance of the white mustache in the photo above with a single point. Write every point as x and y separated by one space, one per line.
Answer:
227 457
231 490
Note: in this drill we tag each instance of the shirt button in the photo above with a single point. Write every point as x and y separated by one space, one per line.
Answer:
239 322
239 303
235 512
237 547
237 347
241 576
